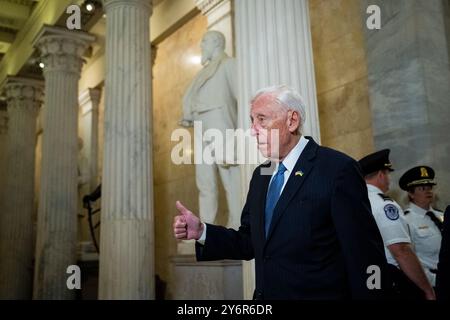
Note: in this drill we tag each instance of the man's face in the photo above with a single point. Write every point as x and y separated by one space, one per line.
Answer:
386 180
270 126
207 45
422 195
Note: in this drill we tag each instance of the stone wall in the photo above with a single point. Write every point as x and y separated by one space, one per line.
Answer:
341 76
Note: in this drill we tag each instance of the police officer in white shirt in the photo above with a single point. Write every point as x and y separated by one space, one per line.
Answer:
410 281
425 223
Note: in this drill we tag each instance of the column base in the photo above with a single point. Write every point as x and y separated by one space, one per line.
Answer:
212 280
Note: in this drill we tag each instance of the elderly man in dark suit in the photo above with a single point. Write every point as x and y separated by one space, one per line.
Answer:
308 225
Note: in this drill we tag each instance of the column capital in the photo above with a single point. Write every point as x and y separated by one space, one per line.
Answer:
90 95
207 5
61 49
24 89
144 4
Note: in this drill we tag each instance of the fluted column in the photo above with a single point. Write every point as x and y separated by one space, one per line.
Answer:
273 45
89 102
3 152
127 244
3 139
24 97
61 51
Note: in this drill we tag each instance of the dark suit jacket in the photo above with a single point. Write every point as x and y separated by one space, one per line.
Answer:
322 239
443 274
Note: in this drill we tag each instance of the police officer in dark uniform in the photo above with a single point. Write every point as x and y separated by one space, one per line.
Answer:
425 222
410 281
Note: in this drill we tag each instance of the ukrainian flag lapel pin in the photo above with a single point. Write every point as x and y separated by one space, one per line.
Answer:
299 173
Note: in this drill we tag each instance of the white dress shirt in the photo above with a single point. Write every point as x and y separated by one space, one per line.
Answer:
425 237
289 162
390 220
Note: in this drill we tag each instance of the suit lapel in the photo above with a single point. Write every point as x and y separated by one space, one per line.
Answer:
303 166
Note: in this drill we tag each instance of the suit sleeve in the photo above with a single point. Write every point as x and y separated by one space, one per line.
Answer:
222 243
358 233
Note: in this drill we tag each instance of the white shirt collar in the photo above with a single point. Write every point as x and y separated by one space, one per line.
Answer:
293 155
415 208
372 188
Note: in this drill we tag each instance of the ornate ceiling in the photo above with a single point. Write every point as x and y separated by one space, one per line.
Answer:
13 14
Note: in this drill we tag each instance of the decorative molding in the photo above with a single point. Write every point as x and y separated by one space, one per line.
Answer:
91 95
144 4
61 49
59 53
207 5
8 21
30 91
26 3
190 260
154 52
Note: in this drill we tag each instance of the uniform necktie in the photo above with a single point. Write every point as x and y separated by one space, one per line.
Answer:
436 221
273 194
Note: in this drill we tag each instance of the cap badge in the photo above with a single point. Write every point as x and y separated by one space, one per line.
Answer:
424 173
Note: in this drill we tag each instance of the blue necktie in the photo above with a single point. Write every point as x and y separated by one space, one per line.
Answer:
273 194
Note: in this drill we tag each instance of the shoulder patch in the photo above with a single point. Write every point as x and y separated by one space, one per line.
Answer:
384 197
391 212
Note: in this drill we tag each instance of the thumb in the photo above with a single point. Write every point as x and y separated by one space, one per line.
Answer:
182 209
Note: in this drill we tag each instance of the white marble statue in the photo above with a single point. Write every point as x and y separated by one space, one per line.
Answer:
211 99
82 165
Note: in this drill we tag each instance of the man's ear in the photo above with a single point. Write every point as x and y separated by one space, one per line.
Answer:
293 120
380 174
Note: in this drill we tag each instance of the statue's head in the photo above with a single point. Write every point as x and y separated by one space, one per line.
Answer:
213 43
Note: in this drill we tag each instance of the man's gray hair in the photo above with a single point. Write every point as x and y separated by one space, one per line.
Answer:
286 97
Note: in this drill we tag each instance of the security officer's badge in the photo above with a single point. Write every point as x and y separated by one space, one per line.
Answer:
424 172
391 212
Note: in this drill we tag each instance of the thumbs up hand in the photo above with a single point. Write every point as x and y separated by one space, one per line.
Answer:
186 225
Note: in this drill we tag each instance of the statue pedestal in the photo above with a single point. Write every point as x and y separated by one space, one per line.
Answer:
212 280
186 247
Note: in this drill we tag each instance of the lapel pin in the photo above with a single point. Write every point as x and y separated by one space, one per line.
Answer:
299 173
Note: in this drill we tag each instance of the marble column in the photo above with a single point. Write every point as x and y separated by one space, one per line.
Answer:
273 46
89 103
61 52
409 81
3 139
3 152
24 97
127 229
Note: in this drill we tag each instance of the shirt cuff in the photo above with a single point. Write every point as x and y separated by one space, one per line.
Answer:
202 238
